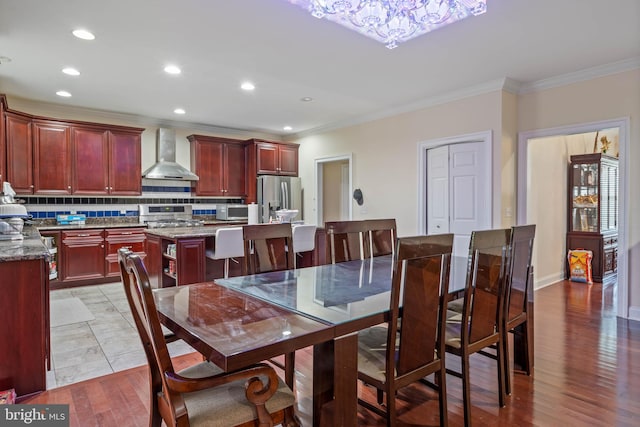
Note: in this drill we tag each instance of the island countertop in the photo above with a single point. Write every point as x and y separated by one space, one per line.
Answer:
187 232
28 248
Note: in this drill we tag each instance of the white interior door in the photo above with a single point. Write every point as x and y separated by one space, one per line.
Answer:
456 198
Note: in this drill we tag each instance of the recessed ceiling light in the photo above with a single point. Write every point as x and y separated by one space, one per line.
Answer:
71 71
247 86
306 99
172 69
83 34
63 93
287 128
179 111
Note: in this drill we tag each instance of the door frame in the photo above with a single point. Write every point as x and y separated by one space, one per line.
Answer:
623 190
486 138
319 163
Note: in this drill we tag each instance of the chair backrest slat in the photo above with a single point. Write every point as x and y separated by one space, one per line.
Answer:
518 275
268 247
421 275
382 236
485 292
347 241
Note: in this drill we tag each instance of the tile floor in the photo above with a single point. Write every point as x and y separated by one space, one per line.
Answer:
107 344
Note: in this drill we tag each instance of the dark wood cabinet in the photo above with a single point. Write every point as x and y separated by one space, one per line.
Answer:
3 143
125 174
51 158
63 157
106 161
83 255
593 211
19 152
116 238
190 266
220 163
269 158
24 316
276 158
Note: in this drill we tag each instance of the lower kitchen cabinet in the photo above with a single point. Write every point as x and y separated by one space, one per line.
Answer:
82 255
116 238
175 261
24 316
90 256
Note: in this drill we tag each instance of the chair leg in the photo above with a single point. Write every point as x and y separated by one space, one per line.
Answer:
441 381
289 368
380 395
466 390
290 418
505 356
391 408
226 268
501 374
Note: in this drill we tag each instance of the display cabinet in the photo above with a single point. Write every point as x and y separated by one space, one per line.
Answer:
593 210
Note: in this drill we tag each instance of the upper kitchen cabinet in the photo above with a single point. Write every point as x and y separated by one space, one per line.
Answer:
19 152
62 157
51 158
276 158
107 160
220 163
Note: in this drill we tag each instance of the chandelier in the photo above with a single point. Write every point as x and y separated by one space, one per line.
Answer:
393 21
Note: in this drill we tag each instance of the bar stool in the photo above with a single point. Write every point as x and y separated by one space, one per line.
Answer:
229 244
304 239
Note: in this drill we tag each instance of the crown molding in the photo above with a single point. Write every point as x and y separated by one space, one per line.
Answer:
581 75
104 116
468 92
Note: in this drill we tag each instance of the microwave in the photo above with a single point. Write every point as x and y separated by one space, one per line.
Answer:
232 212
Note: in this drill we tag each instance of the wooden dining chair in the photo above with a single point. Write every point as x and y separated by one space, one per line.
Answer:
202 394
519 303
269 247
347 241
389 358
382 236
477 326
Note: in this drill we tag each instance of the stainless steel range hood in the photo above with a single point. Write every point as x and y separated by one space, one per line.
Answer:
166 166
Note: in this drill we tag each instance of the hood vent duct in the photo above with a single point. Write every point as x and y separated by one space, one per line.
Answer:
166 166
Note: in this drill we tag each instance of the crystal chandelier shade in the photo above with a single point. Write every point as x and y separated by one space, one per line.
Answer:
393 21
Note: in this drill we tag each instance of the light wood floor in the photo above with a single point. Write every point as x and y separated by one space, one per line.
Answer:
587 373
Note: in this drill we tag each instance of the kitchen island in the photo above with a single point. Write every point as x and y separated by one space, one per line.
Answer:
24 314
177 255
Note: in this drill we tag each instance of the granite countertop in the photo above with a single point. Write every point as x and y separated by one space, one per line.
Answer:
90 226
184 232
29 248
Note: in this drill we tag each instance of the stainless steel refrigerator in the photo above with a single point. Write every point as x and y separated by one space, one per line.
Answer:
278 192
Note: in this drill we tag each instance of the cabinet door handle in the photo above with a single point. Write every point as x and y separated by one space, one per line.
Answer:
69 188
127 233
106 188
82 235
126 247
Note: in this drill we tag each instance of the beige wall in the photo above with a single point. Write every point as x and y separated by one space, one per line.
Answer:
605 98
385 163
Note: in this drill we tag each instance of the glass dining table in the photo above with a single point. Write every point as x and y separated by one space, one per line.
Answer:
243 320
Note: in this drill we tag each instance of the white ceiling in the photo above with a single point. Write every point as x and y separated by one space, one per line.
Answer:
289 55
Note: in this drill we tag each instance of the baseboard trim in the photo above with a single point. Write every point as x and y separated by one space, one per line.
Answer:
634 313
